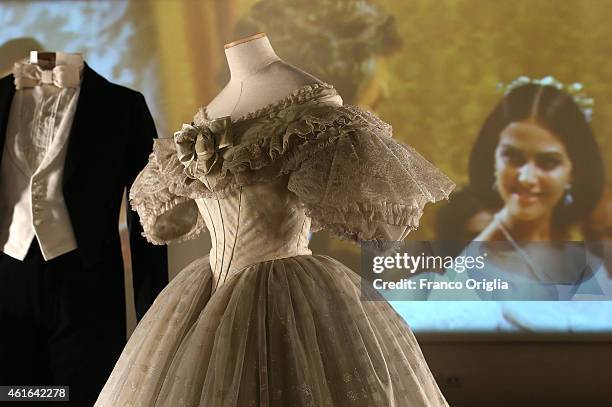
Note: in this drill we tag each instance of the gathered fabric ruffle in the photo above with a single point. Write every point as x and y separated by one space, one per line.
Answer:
352 177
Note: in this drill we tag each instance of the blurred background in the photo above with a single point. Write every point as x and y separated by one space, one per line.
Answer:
429 68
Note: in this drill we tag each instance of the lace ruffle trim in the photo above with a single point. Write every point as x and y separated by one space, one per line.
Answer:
280 144
299 96
299 140
336 219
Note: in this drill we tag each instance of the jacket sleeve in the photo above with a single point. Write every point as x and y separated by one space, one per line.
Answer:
149 262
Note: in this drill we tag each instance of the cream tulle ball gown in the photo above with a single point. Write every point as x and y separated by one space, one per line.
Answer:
261 321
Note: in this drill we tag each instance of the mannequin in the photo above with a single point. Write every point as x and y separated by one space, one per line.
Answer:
258 78
257 319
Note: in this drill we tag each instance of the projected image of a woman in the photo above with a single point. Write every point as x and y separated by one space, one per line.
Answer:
537 163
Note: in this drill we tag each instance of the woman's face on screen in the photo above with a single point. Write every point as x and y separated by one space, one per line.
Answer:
533 170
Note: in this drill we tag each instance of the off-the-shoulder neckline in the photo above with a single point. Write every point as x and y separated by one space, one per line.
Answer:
300 95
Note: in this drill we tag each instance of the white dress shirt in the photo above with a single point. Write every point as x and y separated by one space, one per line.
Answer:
31 198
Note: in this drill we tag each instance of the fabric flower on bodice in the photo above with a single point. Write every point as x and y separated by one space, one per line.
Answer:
198 147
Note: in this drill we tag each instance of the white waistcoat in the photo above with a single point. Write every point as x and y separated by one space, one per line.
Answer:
31 200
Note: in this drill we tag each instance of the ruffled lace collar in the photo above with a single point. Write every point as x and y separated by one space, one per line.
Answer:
302 95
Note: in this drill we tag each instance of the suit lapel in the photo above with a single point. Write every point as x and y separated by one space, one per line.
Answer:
83 128
7 91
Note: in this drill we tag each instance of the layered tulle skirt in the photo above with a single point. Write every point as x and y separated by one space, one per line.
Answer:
287 332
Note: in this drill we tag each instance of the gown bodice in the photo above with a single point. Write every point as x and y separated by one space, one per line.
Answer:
254 223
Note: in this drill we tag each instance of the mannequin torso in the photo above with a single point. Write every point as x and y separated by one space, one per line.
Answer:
258 78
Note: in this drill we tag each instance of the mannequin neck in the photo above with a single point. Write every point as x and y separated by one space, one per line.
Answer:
51 59
247 58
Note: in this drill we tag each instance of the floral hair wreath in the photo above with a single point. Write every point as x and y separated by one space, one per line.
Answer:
575 90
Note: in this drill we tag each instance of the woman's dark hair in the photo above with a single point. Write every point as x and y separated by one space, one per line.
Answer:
451 219
556 111
16 49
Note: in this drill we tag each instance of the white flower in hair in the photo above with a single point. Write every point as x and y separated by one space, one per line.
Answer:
575 90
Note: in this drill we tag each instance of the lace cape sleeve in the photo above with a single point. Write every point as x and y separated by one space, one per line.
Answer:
359 183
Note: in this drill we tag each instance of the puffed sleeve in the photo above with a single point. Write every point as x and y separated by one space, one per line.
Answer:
164 197
149 263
